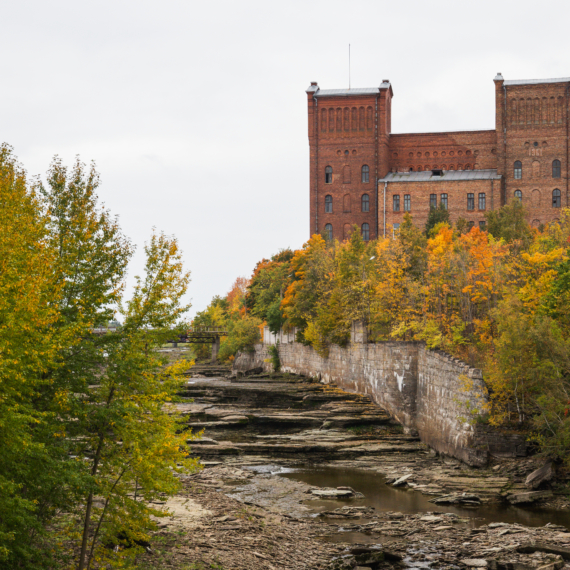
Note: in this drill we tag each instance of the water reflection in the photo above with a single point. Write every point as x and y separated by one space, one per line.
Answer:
384 498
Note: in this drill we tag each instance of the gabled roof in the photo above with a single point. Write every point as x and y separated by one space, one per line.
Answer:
447 176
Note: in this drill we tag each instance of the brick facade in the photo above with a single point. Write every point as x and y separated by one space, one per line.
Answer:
468 199
351 128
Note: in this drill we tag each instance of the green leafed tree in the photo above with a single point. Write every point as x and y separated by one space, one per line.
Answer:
509 223
88 435
31 473
131 438
436 216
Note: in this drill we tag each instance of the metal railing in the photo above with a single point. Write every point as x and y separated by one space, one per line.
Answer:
217 330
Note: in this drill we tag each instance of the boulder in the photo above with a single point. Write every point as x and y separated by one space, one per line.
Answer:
399 482
536 478
531 547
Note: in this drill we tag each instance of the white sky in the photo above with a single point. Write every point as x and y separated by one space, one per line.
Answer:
195 112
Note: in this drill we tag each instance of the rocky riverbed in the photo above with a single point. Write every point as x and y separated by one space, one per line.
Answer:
301 475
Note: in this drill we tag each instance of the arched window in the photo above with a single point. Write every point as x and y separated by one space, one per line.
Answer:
365 203
365 173
354 119
361 124
328 204
328 232
346 119
346 204
518 194
365 232
346 231
555 169
338 120
518 170
556 199
328 175
369 118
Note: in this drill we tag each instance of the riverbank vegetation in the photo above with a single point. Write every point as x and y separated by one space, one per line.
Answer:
86 443
498 299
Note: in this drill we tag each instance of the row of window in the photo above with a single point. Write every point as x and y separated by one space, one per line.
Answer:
470 224
364 203
482 200
365 230
365 171
443 200
364 174
556 197
536 169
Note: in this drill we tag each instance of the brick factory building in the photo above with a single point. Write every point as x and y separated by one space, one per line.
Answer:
363 174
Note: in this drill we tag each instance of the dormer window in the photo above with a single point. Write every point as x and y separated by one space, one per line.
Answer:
437 172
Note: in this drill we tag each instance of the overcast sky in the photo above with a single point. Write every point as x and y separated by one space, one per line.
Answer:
195 112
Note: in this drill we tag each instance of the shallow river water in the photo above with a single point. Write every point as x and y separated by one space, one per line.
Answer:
384 497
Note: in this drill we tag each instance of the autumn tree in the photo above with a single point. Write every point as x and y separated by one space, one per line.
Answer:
312 270
134 451
267 287
87 439
498 299
33 484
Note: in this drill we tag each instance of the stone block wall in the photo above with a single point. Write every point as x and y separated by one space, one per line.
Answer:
426 391
449 395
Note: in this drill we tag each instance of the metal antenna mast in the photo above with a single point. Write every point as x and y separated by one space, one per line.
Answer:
349 66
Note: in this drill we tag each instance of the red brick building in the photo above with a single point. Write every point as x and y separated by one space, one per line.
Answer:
363 174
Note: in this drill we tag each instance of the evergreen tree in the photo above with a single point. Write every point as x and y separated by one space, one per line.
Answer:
436 216
509 223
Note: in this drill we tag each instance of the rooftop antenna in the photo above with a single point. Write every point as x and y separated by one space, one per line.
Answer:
349 66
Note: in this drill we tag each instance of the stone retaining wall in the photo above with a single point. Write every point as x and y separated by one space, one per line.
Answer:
426 391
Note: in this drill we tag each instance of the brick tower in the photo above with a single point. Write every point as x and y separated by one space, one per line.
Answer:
361 173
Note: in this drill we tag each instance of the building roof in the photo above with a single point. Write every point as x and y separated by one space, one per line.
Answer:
535 81
347 92
447 176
